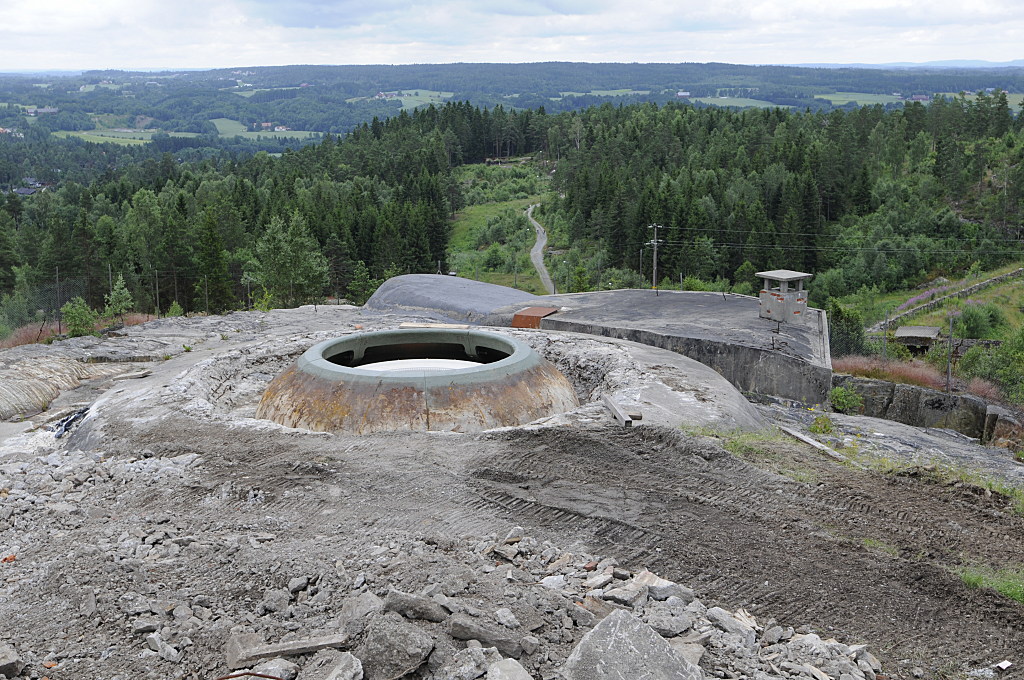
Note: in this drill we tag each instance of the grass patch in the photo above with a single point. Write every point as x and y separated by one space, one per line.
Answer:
126 138
758 448
473 218
740 443
413 98
605 93
940 473
227 127
741 102
906 372
1008 582
101 136
863 98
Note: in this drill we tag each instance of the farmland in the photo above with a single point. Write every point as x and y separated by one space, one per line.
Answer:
860 98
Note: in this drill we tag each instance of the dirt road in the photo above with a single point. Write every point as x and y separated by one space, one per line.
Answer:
537 252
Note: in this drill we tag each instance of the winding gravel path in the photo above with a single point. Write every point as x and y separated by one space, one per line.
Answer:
537 252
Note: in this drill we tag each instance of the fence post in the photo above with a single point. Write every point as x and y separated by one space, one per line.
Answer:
885 336
56 294
949 358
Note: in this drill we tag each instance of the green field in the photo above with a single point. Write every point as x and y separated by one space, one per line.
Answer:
90 87
1015 100
606 93
413 98
250 92
127 138
106 136
474 217
742 102
863 98
227 127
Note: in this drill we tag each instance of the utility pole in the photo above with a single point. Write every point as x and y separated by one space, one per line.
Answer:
566 263
56 295
206 292
110 277
654 273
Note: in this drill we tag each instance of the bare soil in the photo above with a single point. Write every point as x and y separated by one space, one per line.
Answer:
782 531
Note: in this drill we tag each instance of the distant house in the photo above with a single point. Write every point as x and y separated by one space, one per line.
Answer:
266 126
38 110
281 128
683 94
24 191
920 98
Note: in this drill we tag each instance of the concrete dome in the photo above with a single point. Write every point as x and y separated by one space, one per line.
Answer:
496 381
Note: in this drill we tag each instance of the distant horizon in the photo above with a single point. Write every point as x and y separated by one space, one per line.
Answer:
944 63
62 35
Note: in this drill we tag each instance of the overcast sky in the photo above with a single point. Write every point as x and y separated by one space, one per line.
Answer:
75 34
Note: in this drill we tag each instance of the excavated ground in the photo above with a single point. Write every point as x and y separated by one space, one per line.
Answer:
782 531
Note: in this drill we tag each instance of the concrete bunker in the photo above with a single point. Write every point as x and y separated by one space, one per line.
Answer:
417 379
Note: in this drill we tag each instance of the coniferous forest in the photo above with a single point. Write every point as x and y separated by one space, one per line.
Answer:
865 197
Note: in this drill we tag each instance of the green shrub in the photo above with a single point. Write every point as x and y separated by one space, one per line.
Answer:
822 425
119 300
892 349
845 401
175 309
79 317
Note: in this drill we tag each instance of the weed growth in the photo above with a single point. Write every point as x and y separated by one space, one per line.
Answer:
1007 582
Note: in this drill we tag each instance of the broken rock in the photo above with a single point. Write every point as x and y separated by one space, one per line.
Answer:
507 669
414 606
730 624
244 649
330 664
462 627
10 663
623 646
392 648
279 668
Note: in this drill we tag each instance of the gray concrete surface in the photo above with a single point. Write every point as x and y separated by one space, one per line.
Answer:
724 332
447 298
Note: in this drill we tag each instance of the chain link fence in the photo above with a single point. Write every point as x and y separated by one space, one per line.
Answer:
39 305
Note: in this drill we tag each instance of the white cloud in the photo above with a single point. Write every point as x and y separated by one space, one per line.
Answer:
148 33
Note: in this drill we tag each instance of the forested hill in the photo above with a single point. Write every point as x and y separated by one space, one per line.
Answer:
863 198
321 99
866 198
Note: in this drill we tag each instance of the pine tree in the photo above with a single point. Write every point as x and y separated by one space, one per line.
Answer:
213 285
118 300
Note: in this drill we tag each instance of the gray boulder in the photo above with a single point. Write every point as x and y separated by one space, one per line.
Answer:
392 648
623 646
414 606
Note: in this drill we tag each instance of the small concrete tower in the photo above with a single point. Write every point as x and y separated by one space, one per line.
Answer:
783 297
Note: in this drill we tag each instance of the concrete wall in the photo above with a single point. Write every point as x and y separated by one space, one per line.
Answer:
755 372
923 407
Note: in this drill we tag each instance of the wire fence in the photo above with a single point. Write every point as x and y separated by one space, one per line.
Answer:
39 304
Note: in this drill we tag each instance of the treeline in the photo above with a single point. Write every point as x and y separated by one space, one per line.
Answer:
864 199
224 233
867 198
337 98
